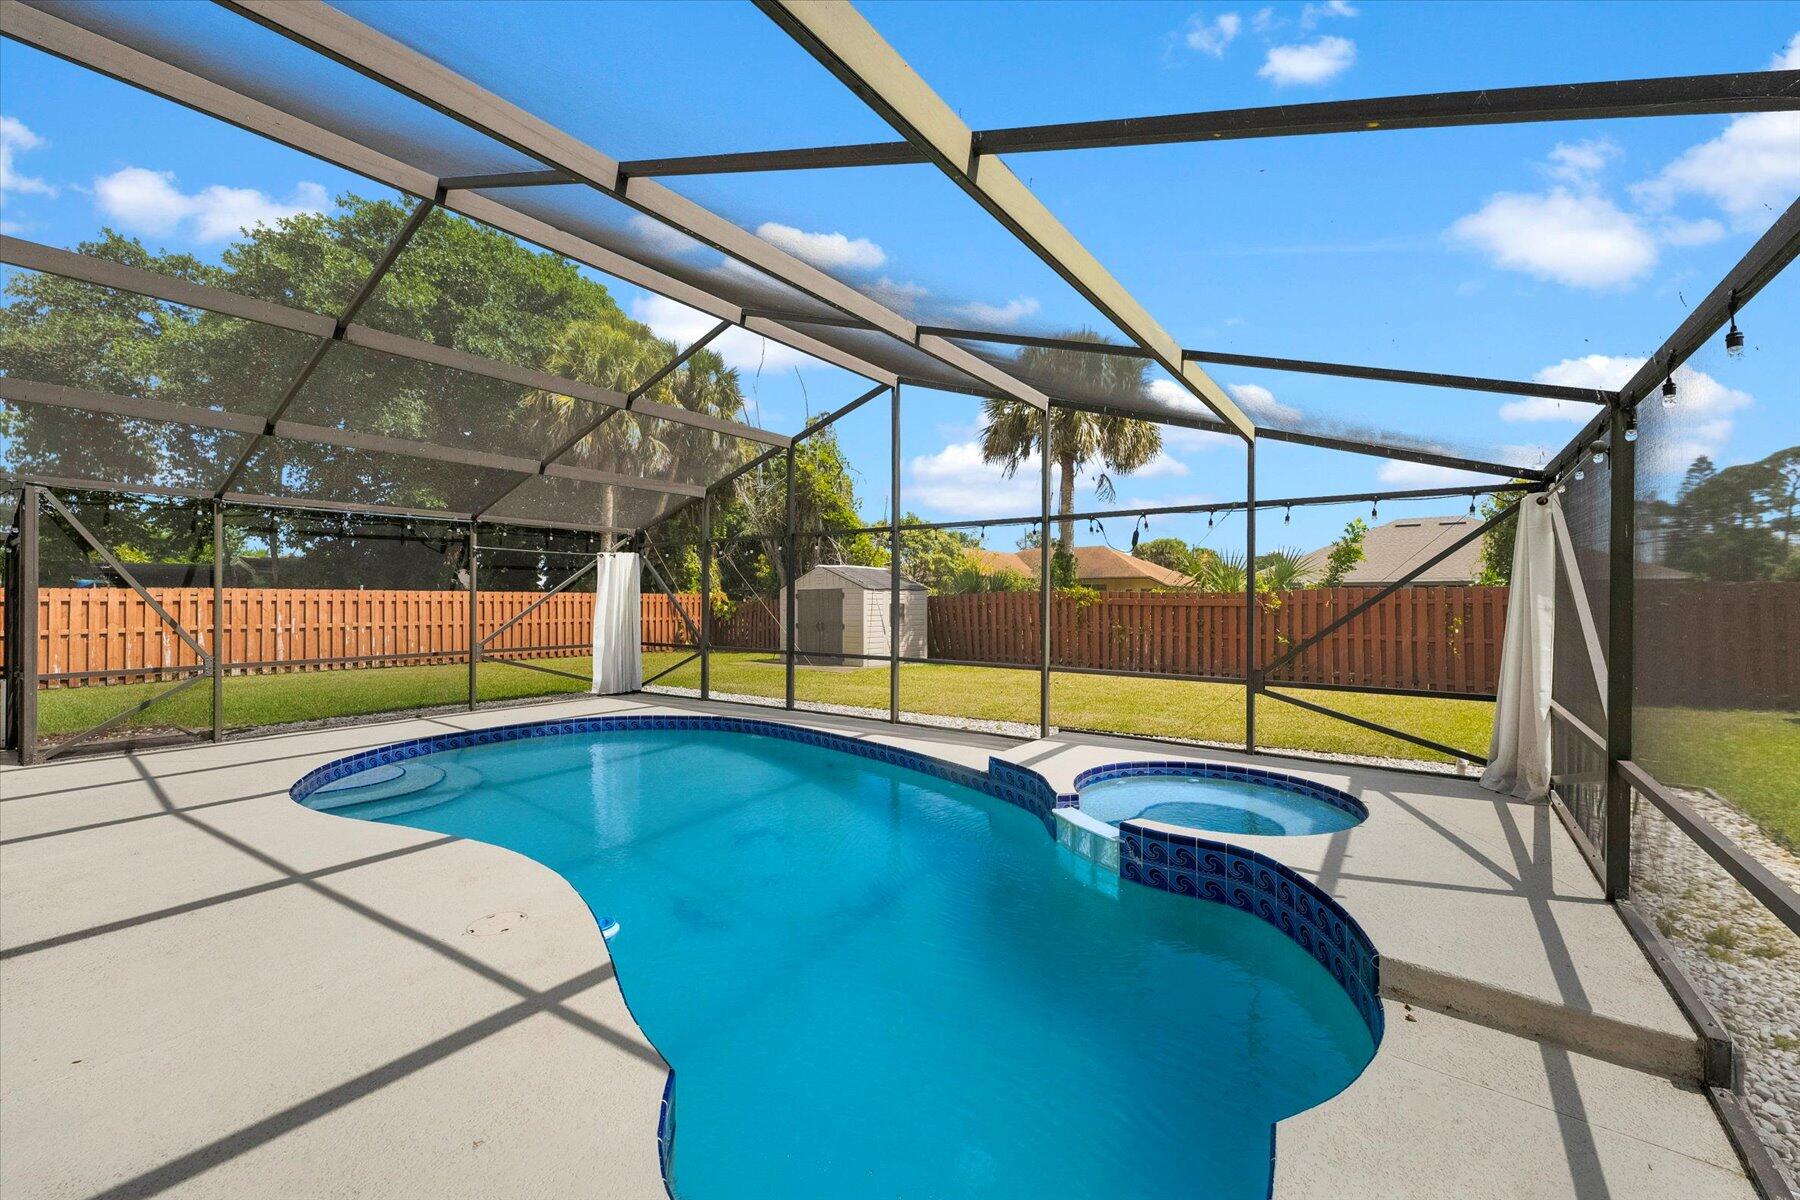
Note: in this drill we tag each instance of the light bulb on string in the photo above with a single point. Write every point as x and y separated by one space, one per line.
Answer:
1668 392
1734 337
1288 517
1631 428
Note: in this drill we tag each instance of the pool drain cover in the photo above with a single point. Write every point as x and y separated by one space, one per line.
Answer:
495 923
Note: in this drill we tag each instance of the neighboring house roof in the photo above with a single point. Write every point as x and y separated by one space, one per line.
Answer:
1392 549
1091 562
875 579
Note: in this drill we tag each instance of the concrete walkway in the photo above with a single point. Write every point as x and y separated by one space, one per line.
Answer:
208 990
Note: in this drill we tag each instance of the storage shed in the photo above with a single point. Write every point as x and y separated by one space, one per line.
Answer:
843 610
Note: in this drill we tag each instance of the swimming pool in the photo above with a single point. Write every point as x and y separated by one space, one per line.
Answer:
1218 798
871 981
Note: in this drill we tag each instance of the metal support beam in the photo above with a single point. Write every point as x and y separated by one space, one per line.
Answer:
1302 366
548 464
414 221
1375 727
1620 639
328 31
894 555
1252 678
218 621
850 48
472 553
706 507
1046 561
1689 95
1364 605
567 583
791 567
118 568
22 640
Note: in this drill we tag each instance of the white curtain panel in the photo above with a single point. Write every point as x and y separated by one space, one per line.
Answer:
618 626
1519 755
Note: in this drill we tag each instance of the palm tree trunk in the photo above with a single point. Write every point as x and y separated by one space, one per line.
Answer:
1065 504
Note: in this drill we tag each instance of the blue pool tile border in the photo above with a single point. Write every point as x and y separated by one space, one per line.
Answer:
1187 864
1190 769
1160 857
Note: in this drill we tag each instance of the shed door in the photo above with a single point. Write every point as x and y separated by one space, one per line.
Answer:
820 621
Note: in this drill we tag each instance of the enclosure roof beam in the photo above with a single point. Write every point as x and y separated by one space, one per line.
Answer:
63 39
1767 258
1323 441
1473 383
327 31
1685 95
850 48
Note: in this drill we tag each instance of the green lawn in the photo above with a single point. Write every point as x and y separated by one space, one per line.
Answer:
1750 757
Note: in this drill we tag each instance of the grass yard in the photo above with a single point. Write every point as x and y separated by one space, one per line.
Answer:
1750 757
1161 708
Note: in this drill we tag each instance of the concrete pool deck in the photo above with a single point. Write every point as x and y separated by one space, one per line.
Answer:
208 990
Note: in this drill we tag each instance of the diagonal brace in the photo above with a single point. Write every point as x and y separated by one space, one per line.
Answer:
119 568
1363 606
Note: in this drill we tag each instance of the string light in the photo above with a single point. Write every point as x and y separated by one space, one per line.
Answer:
1288 517
1471 504
1668 390
1599 453
1375 509
1631 428
1734 337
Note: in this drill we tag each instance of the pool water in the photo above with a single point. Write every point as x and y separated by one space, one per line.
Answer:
1219 805
874 983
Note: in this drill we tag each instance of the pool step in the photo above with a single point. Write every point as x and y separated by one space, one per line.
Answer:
1656 1051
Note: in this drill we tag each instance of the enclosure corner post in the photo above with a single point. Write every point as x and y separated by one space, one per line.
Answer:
706 502
25 626
474 622
1621 590
1044 581
790 569
894 556
1252 675
218 621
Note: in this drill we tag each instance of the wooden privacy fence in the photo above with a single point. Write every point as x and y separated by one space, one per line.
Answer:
1441 639
1699 644
109 635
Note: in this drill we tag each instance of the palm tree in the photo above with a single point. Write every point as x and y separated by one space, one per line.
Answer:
1015 429
1282 570
619 356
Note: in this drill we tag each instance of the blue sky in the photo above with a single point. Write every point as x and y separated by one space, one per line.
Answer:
1561 252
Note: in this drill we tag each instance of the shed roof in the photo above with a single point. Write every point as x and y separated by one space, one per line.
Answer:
874 579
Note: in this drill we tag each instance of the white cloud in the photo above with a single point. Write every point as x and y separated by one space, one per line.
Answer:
1425 475
1578 240
1546 408
1160 467
1579 162
824 250
16 138
1788 57
902 295
149 201
1211 37
741 349
1308 62
1312 14
1263 20
1751 170
957 482
1261 405
664 238
1010 313
1676 232
1700 418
